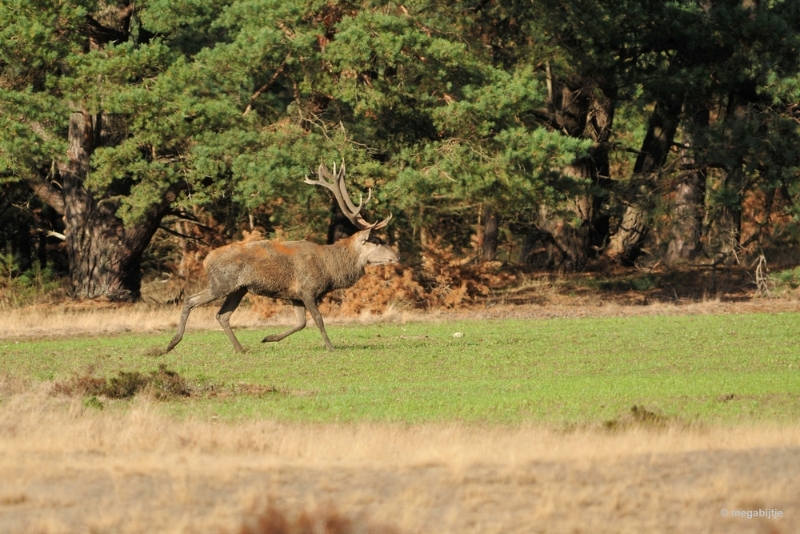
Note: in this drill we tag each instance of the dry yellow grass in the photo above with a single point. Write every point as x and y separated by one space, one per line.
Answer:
103 319
56 321
65 468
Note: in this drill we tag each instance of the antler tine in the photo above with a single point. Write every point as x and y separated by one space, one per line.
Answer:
321 181
354 211
343 200
339 177
383 223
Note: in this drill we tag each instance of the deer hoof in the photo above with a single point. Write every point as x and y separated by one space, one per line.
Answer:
155 352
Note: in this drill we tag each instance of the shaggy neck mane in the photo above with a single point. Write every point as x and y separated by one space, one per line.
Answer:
344 264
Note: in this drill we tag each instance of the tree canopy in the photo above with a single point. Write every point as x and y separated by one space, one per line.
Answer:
591 130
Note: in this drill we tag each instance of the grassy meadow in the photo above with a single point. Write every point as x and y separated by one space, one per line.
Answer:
651 423
693 368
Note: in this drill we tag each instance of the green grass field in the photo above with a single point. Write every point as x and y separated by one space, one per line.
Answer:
707 368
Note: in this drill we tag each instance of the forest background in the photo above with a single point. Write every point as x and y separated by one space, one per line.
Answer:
555 135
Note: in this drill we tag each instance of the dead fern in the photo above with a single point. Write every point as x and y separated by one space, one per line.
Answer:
453 282
382 287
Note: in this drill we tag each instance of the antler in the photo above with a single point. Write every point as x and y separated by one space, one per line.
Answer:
335 184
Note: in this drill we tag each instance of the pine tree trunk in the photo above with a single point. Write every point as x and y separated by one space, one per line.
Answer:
626 244
570 239
491 232
104 256
581 112
687 206
725 224
686 220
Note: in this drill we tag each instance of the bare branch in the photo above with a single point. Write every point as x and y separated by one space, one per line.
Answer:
52 233
101 34
182 236
266 85
48 193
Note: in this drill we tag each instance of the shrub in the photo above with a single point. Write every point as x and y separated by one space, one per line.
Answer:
31 286
162 384
326 519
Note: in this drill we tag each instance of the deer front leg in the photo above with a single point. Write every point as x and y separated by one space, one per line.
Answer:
312 307
300 313
189 304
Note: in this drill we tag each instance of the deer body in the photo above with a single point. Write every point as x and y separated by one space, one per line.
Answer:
299 271
291 270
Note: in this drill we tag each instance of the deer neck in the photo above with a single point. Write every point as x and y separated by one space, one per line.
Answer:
345 264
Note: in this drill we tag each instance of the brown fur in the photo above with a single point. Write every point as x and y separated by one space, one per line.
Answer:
299 271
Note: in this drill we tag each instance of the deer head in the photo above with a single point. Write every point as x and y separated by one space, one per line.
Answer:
371 249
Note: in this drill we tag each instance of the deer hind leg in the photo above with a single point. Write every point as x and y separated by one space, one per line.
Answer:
312 307
300 313
198 299
224 315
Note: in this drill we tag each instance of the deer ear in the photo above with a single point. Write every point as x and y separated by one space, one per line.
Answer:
362 236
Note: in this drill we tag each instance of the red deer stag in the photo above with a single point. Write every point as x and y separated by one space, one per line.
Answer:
299 271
